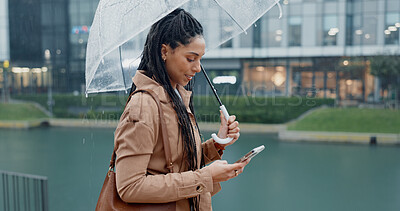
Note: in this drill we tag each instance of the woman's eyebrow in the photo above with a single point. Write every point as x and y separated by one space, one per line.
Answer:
191 52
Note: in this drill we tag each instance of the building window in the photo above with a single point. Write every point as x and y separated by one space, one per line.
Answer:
227 34
361 22
357 30
257 34
275 33
295 31
264 78
349 30
392 25
369 29
330 30
227 44
246 40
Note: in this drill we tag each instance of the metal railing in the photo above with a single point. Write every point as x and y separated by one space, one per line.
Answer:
23 192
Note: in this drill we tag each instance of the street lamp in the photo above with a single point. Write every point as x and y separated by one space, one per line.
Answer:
47 57
6 64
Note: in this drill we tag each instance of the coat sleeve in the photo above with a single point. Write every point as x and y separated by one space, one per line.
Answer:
135 137
210 152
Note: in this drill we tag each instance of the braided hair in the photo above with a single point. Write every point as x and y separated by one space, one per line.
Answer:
177 28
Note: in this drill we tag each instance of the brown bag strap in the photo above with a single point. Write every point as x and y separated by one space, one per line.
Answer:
164 131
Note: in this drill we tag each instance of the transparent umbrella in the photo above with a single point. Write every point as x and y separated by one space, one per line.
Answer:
119 30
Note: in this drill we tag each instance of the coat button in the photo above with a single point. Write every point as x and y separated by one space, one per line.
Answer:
199 189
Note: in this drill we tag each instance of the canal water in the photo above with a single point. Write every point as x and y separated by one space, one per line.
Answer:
284 177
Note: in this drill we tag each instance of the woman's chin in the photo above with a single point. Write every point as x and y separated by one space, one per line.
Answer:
184 83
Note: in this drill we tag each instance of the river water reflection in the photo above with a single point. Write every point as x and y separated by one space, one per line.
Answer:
285 176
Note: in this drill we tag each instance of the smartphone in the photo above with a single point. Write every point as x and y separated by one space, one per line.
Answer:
251 154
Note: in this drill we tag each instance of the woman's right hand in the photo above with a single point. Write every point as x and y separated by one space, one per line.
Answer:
222 171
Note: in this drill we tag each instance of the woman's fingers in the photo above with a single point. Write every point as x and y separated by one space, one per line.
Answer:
234 130
231 119
233 125
222 171
234 135
222 117
242 169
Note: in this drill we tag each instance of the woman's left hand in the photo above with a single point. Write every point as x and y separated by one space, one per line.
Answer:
229 129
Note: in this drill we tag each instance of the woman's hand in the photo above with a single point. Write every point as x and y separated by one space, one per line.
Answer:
222 171
228 129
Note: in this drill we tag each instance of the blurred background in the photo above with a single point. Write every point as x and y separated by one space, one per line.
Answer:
326 48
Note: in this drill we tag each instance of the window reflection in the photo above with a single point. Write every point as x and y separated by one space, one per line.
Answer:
361 22
392 25
264 78
330 30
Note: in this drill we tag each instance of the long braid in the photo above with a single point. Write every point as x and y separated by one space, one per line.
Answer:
176 28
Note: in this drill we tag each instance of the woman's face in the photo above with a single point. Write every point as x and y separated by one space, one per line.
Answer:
183 62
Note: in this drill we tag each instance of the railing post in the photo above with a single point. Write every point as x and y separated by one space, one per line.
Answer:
45 196
12 190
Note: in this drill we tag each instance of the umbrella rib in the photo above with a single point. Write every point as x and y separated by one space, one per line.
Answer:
122 67
219 4
115 3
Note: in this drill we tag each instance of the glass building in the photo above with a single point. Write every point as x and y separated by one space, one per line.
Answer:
59 27
4 40
318 48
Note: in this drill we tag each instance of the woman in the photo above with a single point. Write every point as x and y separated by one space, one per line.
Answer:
171 58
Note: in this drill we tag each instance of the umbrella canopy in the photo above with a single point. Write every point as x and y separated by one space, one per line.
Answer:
119 30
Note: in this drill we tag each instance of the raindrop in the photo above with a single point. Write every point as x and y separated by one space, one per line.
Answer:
126 91
83 141
102 61
255 25
86 95
103 112
91 136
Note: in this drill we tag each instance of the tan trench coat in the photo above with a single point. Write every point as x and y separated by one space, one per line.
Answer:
141 169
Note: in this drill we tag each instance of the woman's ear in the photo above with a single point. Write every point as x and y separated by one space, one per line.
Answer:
164 51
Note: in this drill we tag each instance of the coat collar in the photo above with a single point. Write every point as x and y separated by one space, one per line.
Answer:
143 82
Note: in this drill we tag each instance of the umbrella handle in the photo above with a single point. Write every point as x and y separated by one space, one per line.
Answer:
214 136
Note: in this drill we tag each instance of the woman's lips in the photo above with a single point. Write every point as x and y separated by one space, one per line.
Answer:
189 77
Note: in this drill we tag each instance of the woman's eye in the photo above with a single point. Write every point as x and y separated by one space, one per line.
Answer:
190 60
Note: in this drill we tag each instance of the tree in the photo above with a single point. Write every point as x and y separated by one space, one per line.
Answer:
387 68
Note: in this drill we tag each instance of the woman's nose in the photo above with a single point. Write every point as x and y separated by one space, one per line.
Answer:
197 67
